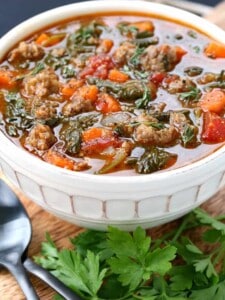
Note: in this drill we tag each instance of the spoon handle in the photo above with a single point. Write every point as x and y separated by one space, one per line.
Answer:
51 280
20 274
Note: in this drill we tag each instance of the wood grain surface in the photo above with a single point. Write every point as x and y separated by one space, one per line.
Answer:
61 230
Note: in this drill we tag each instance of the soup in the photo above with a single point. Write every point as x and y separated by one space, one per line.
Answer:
115 94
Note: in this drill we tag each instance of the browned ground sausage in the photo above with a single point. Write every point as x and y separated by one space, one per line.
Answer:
26 50
40 137
42 84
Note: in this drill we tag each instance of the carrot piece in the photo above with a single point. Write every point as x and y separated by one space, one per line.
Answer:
106 45
7 79
42 38
213 101
144 26
117 76
215 50
57 159
95 133
69 89
89 92
46 40
107 104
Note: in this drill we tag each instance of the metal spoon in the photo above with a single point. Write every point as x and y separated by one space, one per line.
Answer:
15 236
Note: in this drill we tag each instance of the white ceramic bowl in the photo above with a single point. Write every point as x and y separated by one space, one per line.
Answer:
97 201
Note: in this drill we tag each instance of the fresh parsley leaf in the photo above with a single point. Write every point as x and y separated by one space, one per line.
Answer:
206 219
159 261
205 266
181 277
211 236
79 273
133 262
214 292
94 241
130 266
49 258
185 250
160 291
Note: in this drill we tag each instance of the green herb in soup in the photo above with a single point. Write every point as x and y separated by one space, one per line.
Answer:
115 94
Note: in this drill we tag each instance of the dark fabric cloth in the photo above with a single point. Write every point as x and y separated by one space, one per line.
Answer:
12 12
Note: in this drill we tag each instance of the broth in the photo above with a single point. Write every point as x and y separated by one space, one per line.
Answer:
115 94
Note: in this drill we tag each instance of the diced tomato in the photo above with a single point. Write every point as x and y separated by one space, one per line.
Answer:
213 128
213 101
157 78
168 78
107 104
96 140
98 66
7 79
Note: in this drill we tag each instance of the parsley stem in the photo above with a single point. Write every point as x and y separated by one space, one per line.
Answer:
219 218
220 254
182 227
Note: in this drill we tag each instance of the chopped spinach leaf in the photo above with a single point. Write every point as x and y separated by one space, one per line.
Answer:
86 35
197 49
16 116
146 98
125 28
193 71
152 160
193 95
135 74
38 68
135 58
188 134
152 124
72 138
68 71
56 62
192 34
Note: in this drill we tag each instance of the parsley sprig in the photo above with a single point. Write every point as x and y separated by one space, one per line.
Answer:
121 265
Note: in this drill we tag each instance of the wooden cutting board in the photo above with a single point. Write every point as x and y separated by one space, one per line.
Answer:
61 230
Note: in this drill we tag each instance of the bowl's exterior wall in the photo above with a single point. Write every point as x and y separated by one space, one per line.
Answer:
97 213
98 201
